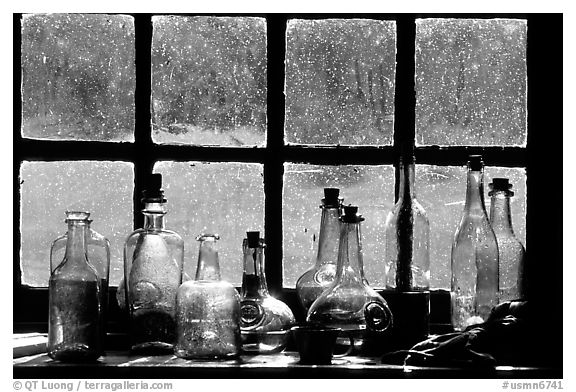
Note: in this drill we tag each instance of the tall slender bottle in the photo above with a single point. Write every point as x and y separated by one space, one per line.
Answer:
153 265
314 281
511 252
98 252
265 321
75 310
408 259
349 302
474 283
207 310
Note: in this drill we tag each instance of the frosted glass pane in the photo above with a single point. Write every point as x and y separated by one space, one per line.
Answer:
471 82
209 80
222 198
340 76
371 188
78 77
442 191
48 189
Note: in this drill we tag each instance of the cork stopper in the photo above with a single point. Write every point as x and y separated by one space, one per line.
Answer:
153 188
500 185
253 239
351 215
475 162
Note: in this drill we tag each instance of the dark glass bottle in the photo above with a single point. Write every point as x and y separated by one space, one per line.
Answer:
153 265
314 281
349 303
474 283
98 251
75 310
265 321
408 259
207 310
511 253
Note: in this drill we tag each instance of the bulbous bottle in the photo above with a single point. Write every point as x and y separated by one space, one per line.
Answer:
75 310
265 321
98 252
314 281
349 303
153 265
207 310
511 253
474 283
408 259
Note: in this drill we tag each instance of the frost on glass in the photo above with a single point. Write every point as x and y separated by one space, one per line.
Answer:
442 191
78 77
209 80
340 76
48 189
371 188
471 82
214 198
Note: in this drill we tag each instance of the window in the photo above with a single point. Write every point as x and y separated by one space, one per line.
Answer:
205 106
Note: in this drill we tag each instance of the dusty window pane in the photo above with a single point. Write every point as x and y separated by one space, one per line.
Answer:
442 191
48 189
209 80
222 198
340 81
371 188
471 82
78 77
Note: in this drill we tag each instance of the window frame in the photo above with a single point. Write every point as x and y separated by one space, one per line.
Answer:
543 230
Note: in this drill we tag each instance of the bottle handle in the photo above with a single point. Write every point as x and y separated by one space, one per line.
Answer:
378 316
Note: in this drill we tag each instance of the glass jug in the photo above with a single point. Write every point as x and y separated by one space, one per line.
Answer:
265 321
349 302
207 310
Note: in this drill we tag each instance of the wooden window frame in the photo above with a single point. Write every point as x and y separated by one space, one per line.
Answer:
542 156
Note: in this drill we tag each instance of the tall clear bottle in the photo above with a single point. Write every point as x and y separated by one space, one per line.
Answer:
349 302
207 310
511 252
314 281
75 310
98 251
408 259
265 321
153 265
474 283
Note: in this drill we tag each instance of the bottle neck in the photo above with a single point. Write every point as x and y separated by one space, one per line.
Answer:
328 237
500 217
154 215
406 186
76 242
350 267
475 191
208 263
254 278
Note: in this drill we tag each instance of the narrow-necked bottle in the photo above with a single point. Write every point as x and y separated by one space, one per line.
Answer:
314 281
474 283
153 265
265 321
207 310
75 310
98 251
511 252
408 259
349 303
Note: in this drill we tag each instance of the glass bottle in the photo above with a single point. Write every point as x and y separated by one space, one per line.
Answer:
474 283
408 259
98 248
349 303
314 281
511 252
153 265
207 310
75 310
265 321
